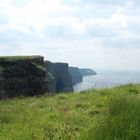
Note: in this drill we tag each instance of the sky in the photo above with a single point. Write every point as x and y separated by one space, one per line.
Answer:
99 34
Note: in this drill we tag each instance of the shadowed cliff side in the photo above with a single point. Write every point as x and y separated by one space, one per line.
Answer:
22 76
50 71
75 75
61 79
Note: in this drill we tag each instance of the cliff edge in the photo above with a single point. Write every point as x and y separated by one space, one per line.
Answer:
61 79
87 71
76 76
22 76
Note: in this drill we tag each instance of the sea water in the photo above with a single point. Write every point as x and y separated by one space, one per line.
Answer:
107 79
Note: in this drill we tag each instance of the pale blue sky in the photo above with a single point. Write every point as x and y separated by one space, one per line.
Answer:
103 34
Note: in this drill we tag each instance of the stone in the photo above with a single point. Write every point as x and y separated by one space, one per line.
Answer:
61 79
22 76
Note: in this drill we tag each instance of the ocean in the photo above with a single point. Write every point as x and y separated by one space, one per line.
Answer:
107 79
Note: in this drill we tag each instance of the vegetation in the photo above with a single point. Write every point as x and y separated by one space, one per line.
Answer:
23 58
14 58
106 114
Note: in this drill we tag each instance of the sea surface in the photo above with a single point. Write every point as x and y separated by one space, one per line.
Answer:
107 79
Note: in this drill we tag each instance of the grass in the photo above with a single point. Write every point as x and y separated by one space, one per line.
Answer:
106 114
19 58
14 58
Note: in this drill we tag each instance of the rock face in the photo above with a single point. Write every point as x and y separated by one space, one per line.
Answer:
75 75
50 74
85 72
61 79
22 76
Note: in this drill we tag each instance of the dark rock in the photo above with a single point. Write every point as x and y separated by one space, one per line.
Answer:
22 76
86 72
50 72
75 75
61 79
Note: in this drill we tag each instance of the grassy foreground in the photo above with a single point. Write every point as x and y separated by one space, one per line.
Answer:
106 114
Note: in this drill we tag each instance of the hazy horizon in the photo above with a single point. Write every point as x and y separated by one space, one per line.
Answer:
99 34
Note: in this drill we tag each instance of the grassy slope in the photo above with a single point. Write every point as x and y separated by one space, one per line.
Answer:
107 114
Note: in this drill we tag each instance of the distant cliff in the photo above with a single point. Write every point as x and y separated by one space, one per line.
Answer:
85 72
76 76
22 76
61 79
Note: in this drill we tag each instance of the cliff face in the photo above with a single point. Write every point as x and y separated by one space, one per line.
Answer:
76 76
50 71
85 72
22 76
61 79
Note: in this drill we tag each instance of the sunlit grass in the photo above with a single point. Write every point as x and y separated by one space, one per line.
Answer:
106 114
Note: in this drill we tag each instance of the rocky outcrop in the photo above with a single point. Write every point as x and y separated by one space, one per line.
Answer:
22 76
86 72
76 76
61 79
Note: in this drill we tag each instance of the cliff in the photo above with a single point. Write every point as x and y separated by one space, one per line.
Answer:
86 72
50 71
61 79
22 76
76 76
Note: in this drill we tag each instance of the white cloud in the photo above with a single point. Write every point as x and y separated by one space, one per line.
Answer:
104 32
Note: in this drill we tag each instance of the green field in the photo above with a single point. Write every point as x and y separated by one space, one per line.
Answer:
106 114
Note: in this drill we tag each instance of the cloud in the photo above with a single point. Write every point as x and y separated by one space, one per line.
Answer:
18 37
94 2
3 20
20 4
75 31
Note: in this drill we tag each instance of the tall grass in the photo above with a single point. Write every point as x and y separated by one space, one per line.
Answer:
121 121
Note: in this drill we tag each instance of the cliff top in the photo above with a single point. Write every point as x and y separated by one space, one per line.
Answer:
15 58
87 71
34 59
